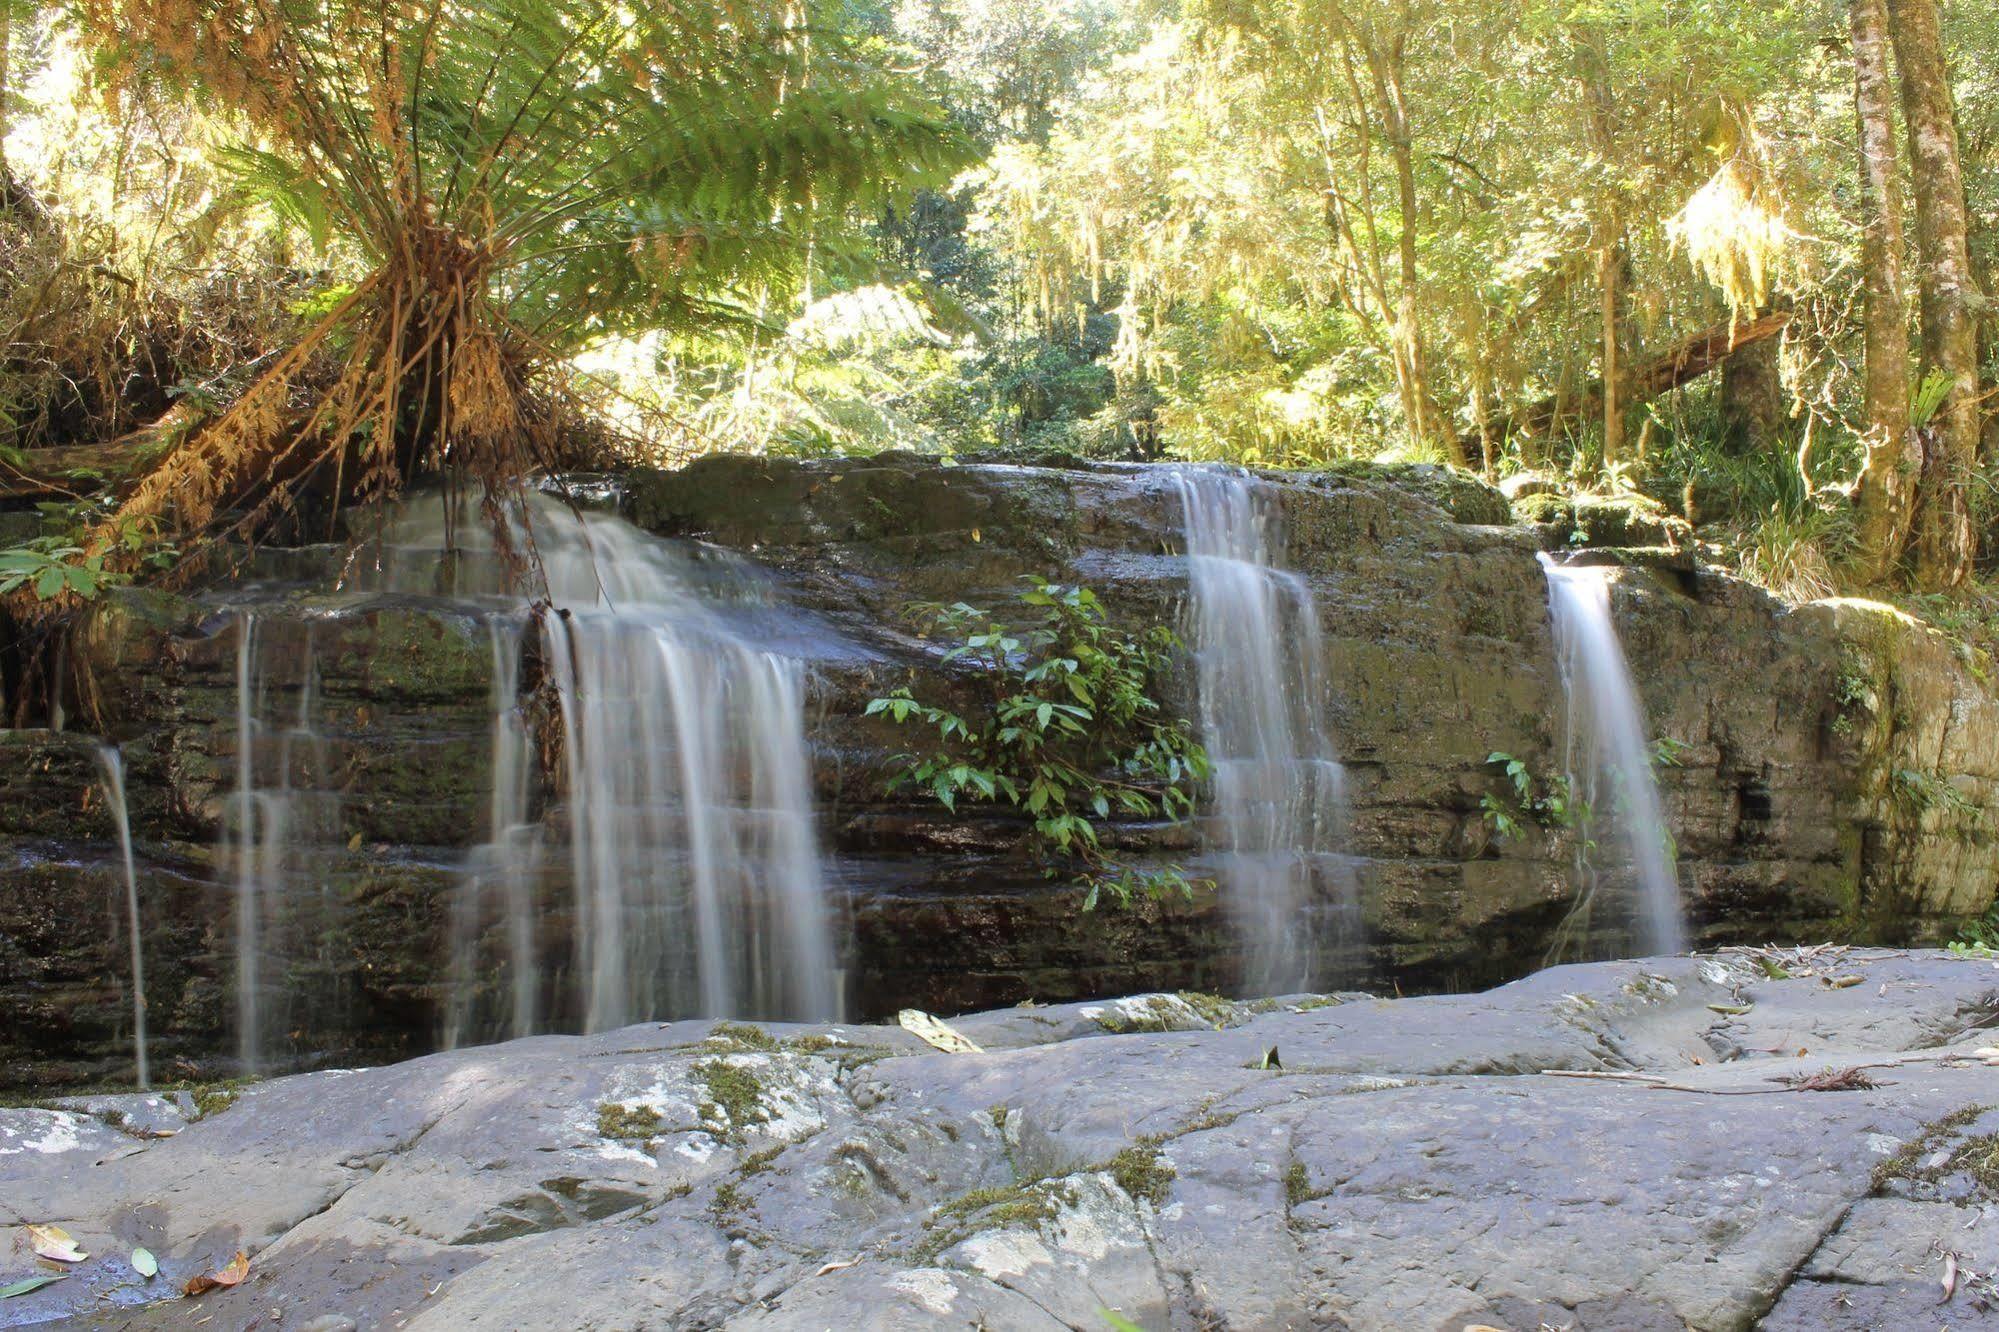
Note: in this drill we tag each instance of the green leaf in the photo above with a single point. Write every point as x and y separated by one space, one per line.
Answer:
30 1283
144 1263
49 583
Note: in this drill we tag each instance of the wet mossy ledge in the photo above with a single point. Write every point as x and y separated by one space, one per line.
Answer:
1837 776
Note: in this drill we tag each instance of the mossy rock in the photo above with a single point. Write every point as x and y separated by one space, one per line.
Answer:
1604 520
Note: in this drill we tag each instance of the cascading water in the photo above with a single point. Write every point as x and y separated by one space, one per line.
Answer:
1606 730
281 810
113 764
686 781
1279 792
504 871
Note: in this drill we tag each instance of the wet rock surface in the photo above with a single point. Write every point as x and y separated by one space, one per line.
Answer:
1609 1146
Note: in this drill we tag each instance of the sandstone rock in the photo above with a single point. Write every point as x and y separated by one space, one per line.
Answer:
1415 1163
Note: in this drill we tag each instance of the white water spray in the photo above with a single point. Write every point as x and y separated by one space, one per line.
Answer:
113 764
1605 739
1280 794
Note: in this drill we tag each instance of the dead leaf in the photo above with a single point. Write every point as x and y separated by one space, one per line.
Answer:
354 842
54 1243
231 1275
1949 1277
1731 1010
1843 982
975 534
936 1032
835 1266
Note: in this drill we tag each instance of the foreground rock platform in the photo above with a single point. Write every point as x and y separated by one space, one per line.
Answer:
1757 1138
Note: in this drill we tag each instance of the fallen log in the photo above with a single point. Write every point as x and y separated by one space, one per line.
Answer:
70 471
1684 362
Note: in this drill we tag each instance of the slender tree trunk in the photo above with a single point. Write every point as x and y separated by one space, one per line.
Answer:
1424 424
1613 263
1385 54
1611 286
1886 499
1945 542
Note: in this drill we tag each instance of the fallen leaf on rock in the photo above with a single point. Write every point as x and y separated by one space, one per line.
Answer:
936 1032
836 1266
232 1275
26 1284
54 1243
1843 982
1949 1276
1731 1010
144 1263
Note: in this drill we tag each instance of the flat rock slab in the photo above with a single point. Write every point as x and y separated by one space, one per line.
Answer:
1730 1141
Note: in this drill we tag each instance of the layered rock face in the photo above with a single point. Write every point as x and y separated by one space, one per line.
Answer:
1838 772
1719 1142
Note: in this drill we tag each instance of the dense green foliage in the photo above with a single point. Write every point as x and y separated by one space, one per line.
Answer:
1285 233
1067 730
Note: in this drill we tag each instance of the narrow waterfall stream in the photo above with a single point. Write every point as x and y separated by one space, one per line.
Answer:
113 764
1605 746
692 848
283 808
1280 794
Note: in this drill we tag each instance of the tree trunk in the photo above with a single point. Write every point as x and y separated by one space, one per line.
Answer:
1752 398
1945 542
1886 498
1425 427
1613 264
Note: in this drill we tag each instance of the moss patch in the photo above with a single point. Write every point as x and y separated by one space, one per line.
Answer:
1028 1205
628 1122
735 1096
1140 1172
1941 1152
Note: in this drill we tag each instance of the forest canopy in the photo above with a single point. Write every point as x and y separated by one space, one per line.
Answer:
260 263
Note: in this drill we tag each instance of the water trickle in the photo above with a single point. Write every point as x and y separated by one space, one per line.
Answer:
693 851
1279 791
1604 742
113 764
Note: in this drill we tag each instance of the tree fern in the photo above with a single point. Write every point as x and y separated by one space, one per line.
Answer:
517 182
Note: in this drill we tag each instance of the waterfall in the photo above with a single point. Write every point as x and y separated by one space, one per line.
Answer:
274 822
499 889
114 794
686 781
1279 792
1605 728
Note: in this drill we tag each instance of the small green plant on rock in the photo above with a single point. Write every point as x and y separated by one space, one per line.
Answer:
1979 936
1071 732
1524 798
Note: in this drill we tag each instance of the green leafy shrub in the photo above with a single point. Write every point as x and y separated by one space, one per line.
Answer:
1070 732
